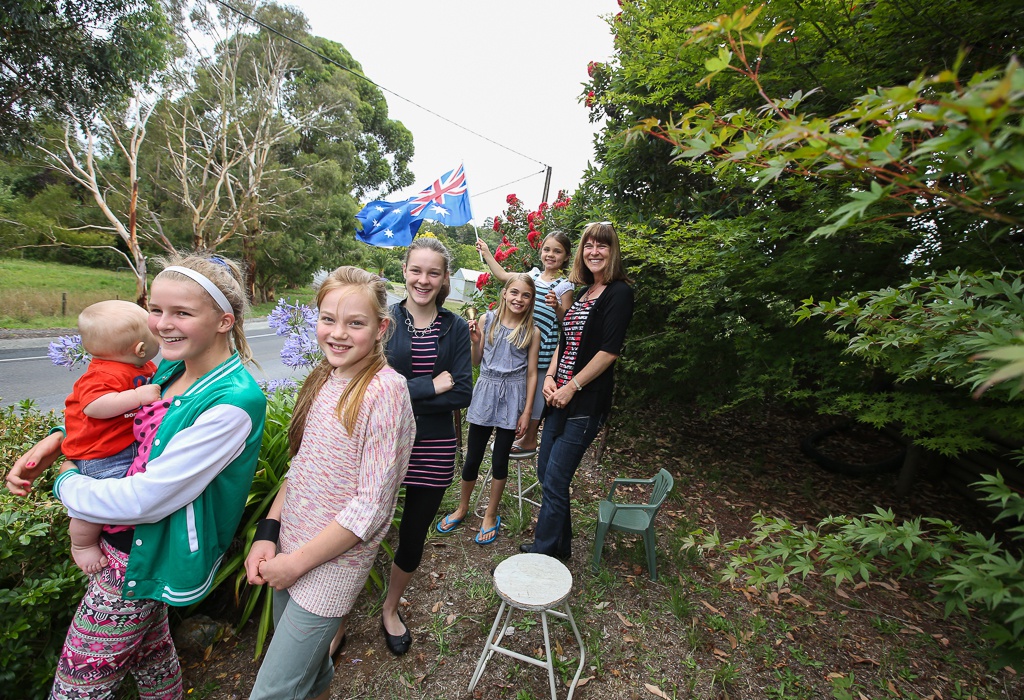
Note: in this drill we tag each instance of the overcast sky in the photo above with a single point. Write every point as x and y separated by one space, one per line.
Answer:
512 72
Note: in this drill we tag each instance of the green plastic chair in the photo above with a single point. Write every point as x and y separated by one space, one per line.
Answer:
633 517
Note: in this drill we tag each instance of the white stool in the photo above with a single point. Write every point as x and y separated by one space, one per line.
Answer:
533 582
485 486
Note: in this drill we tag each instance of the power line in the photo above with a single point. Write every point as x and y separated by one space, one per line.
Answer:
376 85
524 177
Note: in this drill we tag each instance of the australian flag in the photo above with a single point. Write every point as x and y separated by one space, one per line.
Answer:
387 224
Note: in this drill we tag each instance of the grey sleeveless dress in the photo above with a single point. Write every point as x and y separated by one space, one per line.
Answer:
499 396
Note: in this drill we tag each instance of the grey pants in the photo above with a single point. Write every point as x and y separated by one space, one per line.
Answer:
297 665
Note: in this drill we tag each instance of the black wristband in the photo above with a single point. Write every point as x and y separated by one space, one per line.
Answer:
267 529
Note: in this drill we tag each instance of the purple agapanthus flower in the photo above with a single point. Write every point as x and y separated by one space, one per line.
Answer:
297 322
272 386
300 351
68 351
287 319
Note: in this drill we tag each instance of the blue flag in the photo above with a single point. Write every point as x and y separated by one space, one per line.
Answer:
388 224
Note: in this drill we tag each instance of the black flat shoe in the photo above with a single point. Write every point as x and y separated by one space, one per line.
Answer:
337 652
527 548
397 644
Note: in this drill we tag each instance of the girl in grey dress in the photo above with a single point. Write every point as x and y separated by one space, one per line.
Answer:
506 349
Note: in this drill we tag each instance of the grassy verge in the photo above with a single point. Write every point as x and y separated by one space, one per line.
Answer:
51 295
32 294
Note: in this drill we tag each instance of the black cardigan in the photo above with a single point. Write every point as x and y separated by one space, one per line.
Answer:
605 330
434 411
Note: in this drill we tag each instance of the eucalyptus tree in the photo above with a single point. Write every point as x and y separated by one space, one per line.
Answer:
60 58
265 146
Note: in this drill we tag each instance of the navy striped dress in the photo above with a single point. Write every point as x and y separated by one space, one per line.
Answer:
432 462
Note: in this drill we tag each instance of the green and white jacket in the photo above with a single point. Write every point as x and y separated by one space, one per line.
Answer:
187 505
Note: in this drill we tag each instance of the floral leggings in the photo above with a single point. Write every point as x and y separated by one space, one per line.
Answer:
110 637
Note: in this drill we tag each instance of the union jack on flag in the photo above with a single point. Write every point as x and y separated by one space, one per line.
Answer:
450 185
389 224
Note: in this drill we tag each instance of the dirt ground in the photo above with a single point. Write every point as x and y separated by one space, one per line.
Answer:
688 635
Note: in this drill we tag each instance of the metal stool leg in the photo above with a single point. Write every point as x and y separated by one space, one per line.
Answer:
567 615
547 650
519 487
488 647
520 492
583 653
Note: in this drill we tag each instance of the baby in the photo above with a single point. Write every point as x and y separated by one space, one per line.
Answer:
98 413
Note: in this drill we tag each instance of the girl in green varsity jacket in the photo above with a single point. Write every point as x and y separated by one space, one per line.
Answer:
201 441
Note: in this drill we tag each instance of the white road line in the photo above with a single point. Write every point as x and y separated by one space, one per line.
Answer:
47 357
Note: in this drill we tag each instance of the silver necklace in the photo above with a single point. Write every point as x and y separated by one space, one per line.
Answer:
418 332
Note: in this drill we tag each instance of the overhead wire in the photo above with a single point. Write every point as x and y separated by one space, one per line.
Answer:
377 85
524 177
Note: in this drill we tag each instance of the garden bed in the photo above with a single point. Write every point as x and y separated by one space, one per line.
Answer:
688 635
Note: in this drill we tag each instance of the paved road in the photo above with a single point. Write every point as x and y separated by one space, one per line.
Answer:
26 371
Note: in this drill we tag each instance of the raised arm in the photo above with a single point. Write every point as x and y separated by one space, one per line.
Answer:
493 265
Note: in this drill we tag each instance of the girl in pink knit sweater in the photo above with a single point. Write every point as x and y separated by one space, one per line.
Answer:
351 435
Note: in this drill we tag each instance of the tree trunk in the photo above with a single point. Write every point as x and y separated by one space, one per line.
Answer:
141 296
249 263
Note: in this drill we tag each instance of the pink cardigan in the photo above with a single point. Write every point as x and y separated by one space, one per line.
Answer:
353 479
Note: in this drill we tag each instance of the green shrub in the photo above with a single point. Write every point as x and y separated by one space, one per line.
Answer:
970 573
39 584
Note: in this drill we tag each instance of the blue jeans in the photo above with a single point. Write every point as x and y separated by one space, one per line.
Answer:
112 467
562 446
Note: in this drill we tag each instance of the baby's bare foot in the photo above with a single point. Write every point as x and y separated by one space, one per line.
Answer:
89 559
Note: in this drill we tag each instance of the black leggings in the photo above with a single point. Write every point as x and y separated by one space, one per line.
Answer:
476 445
418 513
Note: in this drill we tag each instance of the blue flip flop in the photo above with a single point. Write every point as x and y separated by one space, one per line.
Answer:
447 524
493 531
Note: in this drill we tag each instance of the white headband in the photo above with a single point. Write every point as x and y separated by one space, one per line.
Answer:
204 282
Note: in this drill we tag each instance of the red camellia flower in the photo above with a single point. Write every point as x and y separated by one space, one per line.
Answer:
512 200
497 223
482 280
534 239
589 102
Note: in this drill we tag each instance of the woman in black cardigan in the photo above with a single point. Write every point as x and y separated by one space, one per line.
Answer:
579 381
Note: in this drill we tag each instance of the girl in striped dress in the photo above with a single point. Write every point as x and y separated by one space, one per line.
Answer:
548 313
430 348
